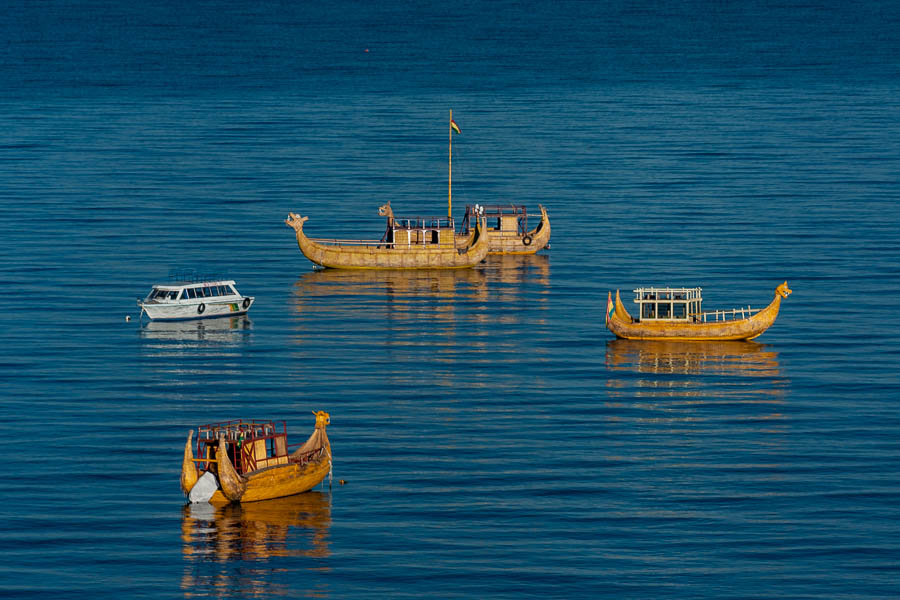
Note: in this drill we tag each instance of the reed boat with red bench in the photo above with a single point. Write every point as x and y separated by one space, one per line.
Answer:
247 461
676 314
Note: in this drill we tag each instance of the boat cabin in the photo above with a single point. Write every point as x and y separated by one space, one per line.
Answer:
420 231
190 291
668 304
251 445
509 219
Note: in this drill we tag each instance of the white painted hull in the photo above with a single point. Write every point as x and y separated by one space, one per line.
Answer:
211 308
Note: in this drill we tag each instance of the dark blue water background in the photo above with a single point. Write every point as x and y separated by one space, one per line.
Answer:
494 440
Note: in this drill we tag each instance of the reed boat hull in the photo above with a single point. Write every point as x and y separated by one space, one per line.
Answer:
303 470
623 326
389 256
510 242
280 481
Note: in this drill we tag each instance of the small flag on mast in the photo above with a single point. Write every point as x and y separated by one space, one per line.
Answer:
610 307
454 126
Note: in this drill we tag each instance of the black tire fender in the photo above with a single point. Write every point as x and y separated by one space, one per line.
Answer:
200 308
526 240
246 303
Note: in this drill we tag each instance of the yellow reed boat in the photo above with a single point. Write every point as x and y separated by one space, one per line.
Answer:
247 461
507 230
408 243
676 314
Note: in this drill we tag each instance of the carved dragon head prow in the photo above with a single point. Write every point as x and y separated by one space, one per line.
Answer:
296 221
783 290
385 211
322 419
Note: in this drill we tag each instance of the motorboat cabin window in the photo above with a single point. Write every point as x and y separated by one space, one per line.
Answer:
190 293
668 304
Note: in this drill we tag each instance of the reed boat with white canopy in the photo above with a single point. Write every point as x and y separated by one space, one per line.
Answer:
193 297
676 314
248 460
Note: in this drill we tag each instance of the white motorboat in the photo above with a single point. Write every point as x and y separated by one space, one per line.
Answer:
195 300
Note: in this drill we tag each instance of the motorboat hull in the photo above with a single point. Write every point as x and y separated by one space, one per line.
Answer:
197 310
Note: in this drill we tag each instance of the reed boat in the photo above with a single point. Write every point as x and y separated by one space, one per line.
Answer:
676 314
407 243
507 228
248 461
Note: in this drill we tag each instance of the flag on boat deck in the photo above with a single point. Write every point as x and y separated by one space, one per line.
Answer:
454 126
609 306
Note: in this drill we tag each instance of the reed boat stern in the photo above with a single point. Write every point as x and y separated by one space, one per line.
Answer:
189 475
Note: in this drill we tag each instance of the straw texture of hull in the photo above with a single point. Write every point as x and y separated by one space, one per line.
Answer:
624 326
306 468
510 242
280 481
390 256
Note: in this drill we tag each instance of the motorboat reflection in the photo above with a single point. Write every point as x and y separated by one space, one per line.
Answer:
229 329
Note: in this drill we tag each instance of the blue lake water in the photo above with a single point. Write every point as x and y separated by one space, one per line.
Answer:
494 440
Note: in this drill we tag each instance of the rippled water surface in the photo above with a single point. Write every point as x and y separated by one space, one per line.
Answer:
493 440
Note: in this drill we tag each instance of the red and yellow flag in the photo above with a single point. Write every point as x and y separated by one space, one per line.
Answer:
610 308
454 126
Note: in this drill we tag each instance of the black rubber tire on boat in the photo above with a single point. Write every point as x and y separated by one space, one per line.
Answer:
200 308
246 303
526 240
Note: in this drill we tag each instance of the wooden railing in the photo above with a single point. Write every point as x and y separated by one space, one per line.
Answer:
726 315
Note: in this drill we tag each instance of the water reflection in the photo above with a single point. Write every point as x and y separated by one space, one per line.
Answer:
724 358
735 370
227 549
449 319
410 290
395 283
223 330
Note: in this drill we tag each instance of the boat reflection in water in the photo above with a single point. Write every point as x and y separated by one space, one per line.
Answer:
225 330
723 358
464 319
220 545
732 370
405 303
413 287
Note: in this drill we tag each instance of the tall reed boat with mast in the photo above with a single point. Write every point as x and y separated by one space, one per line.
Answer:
407 243
676 314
